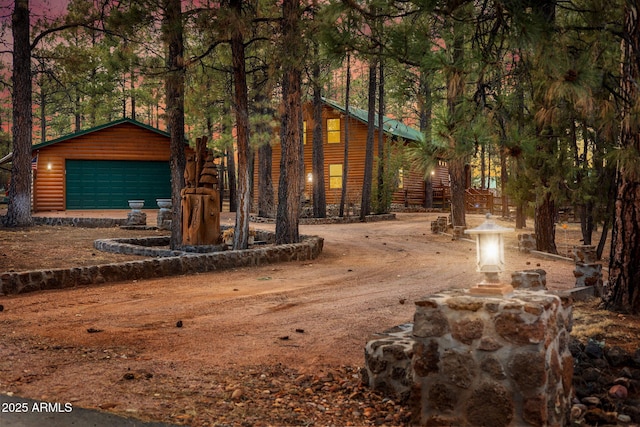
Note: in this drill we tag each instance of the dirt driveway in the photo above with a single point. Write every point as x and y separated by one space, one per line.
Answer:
247 336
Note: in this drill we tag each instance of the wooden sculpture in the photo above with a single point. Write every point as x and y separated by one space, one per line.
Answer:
201 198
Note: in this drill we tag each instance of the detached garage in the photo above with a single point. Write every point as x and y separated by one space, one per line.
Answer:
102 168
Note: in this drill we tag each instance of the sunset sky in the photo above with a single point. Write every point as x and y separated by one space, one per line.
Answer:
40 9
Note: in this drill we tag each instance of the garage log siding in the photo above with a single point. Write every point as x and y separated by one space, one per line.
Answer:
122 141
334 155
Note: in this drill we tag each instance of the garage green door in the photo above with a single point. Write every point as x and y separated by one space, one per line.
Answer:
109 184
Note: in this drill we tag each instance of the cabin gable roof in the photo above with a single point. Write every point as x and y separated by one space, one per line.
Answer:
390 126
96 129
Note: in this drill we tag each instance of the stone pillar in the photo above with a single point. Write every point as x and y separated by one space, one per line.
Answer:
458 232
439 225
488 361
585 254
164 218
588 275
480 360
588 272
526 242
136 218
531 280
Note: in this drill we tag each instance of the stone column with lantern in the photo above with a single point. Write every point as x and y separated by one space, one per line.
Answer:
489 355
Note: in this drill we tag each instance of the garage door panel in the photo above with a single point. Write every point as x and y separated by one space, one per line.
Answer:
109 184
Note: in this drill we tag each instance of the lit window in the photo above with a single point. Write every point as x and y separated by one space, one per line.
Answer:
333 131
335 176
304 132
400 178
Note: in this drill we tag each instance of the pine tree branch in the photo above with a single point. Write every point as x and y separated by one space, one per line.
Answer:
45 33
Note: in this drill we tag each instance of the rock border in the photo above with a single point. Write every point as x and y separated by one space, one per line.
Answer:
11 283
330 219
81 222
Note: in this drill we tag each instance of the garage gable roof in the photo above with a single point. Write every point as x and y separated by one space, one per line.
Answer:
390 126
98 128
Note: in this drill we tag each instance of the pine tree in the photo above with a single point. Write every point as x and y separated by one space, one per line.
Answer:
624 268
241 104
174 86
289 187
319 193
19 208
367 181
347 135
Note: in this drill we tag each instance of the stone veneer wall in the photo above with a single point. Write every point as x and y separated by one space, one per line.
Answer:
480 361
185 263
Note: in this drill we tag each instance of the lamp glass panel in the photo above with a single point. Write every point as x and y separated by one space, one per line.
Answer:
490 254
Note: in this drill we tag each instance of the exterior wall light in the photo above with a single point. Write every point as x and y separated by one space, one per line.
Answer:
490 257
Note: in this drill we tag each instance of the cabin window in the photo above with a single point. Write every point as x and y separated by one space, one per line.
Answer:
400 178
333 131
304 132
335 176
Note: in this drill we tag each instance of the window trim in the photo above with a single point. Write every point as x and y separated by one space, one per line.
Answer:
335 176
332 132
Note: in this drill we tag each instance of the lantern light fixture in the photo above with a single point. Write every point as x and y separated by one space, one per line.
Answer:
490 257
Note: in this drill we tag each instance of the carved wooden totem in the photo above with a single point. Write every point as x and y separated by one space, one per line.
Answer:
201 198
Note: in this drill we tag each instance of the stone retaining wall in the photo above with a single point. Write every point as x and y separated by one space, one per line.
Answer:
79 222
153 246
331 219
184 263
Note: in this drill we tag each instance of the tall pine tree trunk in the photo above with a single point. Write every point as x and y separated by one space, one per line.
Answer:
317 163
174 85
345 157
521 213
231 179
545 213
367 182
458 187
265 182
504 179
624 267
19 209
455 92
289 186
43 116
230 156
382 160
426 109
241 235
545 225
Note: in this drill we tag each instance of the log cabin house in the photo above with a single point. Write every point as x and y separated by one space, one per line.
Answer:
411 190
102 168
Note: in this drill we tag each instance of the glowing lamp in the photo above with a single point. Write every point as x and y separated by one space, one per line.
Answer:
490 256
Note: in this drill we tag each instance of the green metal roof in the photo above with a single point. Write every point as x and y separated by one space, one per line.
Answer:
390 126
97 128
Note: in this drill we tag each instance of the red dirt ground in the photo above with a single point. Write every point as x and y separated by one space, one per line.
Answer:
270 345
